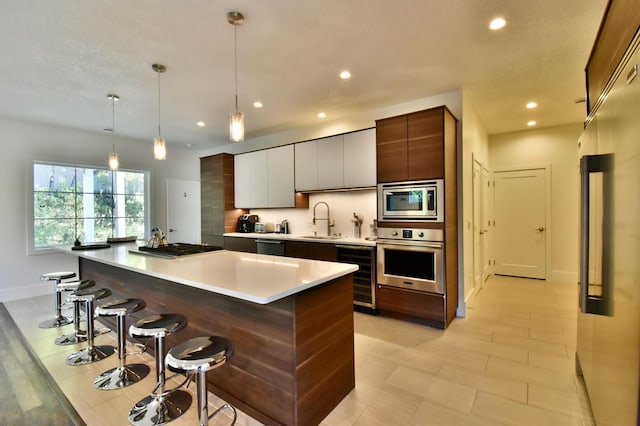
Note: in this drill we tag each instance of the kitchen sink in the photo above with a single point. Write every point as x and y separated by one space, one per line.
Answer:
322 237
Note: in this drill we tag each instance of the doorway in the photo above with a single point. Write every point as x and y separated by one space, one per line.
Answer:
481 224
183 211
520 228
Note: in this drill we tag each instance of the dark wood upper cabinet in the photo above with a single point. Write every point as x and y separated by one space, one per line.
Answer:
391 149
425 144
412 146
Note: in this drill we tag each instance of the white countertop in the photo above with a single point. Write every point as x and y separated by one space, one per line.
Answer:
252 277
307 239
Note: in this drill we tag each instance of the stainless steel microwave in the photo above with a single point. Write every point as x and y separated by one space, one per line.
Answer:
411 201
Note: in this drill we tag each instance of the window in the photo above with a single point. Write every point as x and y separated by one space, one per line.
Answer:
88 203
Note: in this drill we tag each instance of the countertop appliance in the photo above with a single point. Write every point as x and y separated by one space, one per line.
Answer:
174 250
411 259
283 227
263 227
247 223
608 334
411 201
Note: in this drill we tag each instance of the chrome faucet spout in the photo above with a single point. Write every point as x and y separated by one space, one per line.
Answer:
328 218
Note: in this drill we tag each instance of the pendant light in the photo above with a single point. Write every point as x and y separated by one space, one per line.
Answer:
236 118
114 163
159 144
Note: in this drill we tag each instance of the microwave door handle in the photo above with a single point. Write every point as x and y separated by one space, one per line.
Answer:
602 163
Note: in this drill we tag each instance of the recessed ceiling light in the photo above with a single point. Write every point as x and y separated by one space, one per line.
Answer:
531 123
190 145
497 23
200 124
257 104
322 115
345 75
531 105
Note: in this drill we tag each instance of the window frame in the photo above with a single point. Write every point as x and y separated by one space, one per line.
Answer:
31 248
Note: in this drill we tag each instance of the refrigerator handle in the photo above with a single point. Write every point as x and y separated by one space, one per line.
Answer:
601 163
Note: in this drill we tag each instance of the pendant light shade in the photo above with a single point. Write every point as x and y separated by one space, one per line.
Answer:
236 126
159 149
114 163
236 118
159 144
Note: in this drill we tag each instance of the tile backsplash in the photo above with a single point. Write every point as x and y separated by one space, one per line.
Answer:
342 205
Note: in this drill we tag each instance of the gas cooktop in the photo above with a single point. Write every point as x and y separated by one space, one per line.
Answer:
178 249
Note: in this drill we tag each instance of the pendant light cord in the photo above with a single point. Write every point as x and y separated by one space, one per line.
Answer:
159 135
235 43
113 113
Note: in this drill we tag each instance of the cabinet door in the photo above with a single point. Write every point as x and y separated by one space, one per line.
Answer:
425 144
259 179
360 159
306 166
330 163
391 149
242 180
280 173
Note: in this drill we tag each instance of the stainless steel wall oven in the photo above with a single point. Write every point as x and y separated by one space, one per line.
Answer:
411 258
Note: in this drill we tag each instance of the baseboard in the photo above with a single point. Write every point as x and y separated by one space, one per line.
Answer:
25 292
563 276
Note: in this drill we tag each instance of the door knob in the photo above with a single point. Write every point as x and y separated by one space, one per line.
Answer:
540 229
172 230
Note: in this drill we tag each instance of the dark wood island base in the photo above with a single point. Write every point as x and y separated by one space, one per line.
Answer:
294 358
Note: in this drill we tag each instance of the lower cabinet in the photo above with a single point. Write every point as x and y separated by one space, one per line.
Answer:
247 245
427 307
315 251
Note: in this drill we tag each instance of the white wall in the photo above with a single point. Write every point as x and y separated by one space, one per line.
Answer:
475 142
22 143
556 146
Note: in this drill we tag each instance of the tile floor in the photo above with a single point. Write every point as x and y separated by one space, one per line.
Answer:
509 362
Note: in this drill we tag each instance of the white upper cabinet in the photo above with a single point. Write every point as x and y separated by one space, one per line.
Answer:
360 159
280 177
264 179
306 160
337 162
330 163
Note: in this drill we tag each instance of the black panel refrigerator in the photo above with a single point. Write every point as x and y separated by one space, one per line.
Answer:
608 344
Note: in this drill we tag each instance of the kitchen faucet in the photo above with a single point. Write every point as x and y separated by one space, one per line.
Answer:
328 218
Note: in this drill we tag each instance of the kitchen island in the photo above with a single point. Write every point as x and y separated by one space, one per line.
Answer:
291 322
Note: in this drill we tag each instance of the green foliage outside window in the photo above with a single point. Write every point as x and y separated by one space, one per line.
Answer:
91 204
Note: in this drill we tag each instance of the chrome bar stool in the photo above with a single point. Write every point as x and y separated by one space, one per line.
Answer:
196 357
91 353
77 335
59 320
123 375
161 406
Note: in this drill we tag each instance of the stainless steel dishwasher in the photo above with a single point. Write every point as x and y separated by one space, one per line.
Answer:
273 247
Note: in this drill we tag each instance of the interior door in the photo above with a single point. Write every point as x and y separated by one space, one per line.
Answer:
520 223
183 211
486 224
478 254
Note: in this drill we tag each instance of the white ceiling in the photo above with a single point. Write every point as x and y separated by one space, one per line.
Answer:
59 59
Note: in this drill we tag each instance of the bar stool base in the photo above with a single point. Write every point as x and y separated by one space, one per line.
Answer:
72 339
157 410
89 355
55 322
120 377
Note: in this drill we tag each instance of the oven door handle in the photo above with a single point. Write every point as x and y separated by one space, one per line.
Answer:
437 246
